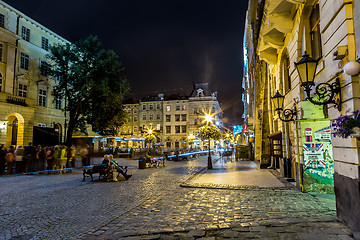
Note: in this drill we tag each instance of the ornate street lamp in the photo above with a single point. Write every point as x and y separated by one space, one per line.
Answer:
325 93
285 115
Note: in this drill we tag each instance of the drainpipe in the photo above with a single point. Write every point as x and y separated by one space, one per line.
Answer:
16 50
298 156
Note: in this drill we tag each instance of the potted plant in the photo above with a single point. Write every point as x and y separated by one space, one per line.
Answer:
347 125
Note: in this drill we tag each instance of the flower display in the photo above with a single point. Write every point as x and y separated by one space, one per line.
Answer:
347 125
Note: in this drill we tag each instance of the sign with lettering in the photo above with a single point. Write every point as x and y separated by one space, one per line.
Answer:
314 155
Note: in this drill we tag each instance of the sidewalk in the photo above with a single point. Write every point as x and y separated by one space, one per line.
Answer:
228 173
234 200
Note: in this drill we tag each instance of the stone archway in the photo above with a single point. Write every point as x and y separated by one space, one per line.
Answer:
15 130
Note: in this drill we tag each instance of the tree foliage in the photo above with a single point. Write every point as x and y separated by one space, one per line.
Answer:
92 83
209 132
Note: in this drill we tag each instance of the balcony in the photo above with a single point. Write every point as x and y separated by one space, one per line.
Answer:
21 101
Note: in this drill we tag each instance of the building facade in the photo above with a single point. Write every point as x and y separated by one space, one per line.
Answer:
28 111
277 34
174 119
176 123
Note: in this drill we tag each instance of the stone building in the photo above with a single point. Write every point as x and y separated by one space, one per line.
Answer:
174 118
277 34
176 123
28 111
202 102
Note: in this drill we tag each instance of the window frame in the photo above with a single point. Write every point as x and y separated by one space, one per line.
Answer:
25 33
22 90
168 129
44 43
2 20
42 97
58 102
24 61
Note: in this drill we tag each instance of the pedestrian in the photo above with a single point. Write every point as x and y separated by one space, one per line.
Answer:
29 157
10 160
19 156
50 159
63 159
84 154
2 159
71 152
57 154
41 158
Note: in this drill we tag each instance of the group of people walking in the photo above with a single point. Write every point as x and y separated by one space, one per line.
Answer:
41 159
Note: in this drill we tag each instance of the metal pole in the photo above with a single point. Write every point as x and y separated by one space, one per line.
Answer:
209 158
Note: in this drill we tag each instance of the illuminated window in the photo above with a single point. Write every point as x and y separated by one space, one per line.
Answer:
2 20
42 97
183 107
168 108
22 90
24 61
45 43
58 102
168 129
315 33
25 33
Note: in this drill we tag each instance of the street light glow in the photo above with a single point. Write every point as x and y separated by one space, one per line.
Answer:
208 117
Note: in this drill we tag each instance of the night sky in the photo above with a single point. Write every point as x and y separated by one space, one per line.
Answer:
163 44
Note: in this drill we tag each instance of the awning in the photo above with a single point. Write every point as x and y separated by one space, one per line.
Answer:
86 134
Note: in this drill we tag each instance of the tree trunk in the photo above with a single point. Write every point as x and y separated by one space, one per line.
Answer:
209 158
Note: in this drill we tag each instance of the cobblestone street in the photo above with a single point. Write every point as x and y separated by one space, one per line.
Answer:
153 205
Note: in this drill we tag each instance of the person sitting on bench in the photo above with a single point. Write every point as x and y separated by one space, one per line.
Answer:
120 169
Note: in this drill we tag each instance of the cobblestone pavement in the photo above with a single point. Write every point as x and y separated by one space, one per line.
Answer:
152 205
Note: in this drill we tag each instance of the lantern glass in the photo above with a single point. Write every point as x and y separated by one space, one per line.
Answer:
278 101
306 68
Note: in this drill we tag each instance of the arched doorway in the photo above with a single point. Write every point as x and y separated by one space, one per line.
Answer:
14 132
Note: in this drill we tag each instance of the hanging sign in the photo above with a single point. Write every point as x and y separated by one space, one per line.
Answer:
314 155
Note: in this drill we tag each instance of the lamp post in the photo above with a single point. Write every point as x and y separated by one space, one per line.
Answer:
285 115
325 93
208 119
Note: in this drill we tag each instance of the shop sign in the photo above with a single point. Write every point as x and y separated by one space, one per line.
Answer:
314 155
308 135
323 134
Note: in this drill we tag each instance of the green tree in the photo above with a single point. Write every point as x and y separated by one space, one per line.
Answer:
209 132
92 83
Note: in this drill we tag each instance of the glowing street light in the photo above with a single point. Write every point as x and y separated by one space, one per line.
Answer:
208 118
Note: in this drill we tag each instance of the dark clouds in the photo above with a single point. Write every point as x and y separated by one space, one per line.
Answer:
164 44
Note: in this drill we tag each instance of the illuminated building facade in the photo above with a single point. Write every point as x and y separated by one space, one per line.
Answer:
28 111
277 33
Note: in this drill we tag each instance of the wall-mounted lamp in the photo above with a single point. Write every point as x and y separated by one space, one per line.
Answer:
285 115
352 68
325 93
